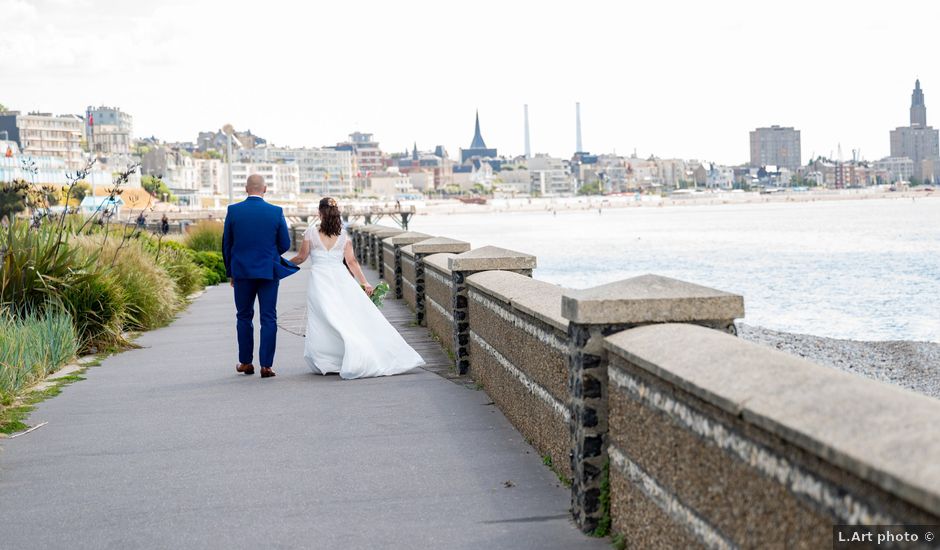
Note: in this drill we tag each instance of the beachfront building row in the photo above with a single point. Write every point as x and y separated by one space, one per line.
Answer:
44 135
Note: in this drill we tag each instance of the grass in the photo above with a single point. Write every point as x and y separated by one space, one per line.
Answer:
547 461
205 236
603 525
149 291
32 346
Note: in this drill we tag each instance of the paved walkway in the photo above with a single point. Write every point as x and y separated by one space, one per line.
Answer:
166 447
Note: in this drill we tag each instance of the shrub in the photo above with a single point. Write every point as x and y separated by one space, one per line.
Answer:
149 291
36 267
98 307
32 346
213 267
205 236
183 269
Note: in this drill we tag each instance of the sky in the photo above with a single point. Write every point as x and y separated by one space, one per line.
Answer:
683 79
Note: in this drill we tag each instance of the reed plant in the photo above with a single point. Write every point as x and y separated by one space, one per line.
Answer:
149 291
33 345
205 236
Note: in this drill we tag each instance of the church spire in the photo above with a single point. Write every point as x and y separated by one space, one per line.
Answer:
478 142
414 152
918 109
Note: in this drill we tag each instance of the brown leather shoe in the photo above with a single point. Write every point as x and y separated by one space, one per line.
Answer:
245 369
267 372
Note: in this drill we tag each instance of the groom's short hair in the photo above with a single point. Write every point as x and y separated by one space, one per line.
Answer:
255 184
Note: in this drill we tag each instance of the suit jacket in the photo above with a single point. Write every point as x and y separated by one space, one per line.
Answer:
254 238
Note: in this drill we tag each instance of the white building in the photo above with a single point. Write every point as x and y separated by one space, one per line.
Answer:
324 172
722 177
896 168
45 135
212 175
550 176
517 181
282 178
389 185
109 131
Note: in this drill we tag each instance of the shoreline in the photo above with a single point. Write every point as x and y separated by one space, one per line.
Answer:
605 202
909 364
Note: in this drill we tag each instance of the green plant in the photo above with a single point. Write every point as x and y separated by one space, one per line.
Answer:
603 525
98 306
181 266
378 293
33 345
156 187
205 236
149 291
618 542
12 198
213 267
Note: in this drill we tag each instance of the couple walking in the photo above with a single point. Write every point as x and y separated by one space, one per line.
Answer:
346 333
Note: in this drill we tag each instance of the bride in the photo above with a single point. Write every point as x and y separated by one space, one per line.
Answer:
346 333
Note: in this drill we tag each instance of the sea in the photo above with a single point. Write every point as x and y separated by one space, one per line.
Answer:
854 269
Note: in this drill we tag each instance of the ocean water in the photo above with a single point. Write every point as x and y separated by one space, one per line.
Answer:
859 269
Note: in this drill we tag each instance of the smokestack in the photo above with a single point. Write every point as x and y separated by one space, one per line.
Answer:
528 150
577 114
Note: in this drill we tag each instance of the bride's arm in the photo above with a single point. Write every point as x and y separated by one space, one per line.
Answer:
302 254
353 264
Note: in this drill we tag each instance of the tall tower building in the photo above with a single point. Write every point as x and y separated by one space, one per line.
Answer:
918 109
776 146
918 141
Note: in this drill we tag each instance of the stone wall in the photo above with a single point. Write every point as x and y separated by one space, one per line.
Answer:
723 443
388 267
439 290
519 352
409 277
707 441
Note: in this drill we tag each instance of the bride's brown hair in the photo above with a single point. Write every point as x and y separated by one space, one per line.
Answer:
331 224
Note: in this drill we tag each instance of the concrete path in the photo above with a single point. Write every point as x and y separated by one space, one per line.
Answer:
166 447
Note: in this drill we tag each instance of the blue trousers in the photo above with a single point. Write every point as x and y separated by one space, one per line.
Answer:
265 290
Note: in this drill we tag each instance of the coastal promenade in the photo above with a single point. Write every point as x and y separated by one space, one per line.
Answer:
167 447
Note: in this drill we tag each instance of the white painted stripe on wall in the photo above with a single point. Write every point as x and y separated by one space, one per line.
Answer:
429 272
797 480
546 337
532 386
679 512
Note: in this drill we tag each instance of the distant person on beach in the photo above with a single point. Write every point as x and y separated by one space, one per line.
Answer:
164 225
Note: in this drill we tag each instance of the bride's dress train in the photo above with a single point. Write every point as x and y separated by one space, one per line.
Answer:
346 333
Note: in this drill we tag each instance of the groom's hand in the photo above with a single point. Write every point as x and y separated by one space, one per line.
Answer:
231 282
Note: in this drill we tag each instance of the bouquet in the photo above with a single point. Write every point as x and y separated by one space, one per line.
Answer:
378 293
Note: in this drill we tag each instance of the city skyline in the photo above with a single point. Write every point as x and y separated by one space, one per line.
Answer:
692 92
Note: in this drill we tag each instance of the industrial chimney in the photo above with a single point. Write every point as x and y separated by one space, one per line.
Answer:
528 150
577 115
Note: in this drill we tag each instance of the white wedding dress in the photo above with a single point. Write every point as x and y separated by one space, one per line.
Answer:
346 332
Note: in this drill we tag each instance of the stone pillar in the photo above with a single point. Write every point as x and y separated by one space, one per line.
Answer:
398 241
601 311
365 243
488 258
421 250
297 235
355 231
377 237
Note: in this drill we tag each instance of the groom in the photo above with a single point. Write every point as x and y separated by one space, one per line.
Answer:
254 238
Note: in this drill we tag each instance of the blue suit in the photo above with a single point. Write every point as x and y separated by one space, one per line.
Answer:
254 238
